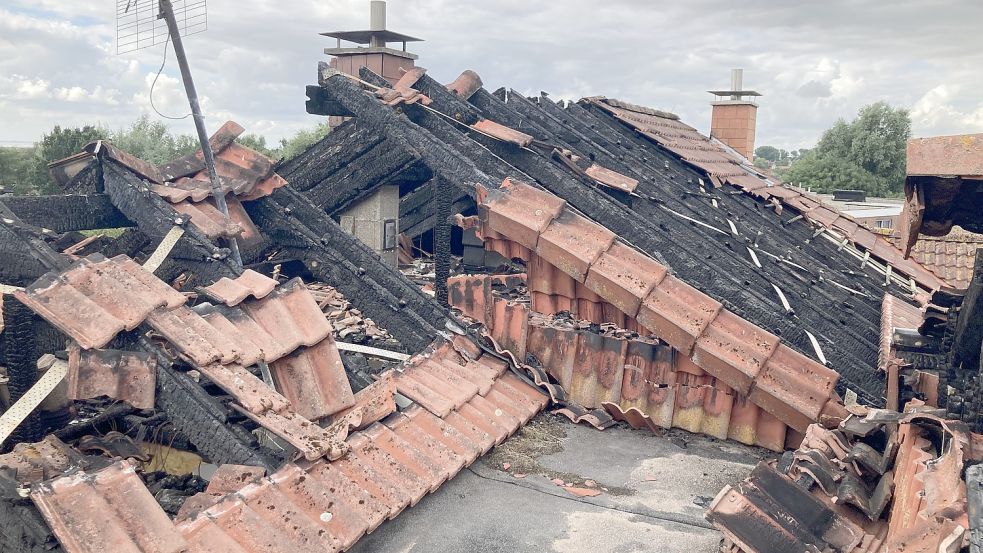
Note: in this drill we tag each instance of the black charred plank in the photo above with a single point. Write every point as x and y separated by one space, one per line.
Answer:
67 213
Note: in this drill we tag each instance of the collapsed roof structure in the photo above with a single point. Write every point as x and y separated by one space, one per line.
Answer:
651 276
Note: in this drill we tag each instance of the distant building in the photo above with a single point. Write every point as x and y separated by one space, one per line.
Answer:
878 214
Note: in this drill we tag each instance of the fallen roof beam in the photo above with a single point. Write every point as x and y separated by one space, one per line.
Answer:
68 213
334 256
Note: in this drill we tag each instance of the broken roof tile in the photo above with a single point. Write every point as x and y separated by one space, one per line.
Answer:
677 313
520 211
290 315
572 243
611 178
97 298
233 292
503 133
624 276
109 510
124 375
466 84
314 380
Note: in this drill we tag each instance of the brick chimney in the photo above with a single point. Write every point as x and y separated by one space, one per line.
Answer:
372 50
734 115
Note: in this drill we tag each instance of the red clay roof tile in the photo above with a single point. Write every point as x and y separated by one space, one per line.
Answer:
572 243
677 313
123 375
501 132
521 211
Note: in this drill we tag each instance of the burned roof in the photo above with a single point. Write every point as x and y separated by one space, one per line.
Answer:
695 210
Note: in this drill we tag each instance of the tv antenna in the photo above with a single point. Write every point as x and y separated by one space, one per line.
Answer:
145 23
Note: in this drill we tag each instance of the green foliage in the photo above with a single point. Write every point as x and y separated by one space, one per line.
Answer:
58 144
258 143
767 153
291 147
15 169
152 141
867 154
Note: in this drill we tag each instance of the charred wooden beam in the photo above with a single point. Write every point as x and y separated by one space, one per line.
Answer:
68 213
334 256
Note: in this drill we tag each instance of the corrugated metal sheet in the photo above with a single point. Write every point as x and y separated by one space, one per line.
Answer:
725 167
785 383
124 375
97 298
322 505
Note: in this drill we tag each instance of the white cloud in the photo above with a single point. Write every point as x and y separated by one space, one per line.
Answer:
814 62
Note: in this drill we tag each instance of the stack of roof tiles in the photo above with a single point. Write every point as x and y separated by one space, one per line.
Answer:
749 360
640 380
951 257
881 482
253 321
466 403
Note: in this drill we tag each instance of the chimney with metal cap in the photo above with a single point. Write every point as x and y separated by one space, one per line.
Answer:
372 48
735 115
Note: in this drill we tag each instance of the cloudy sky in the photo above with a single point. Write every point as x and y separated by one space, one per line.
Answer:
813 61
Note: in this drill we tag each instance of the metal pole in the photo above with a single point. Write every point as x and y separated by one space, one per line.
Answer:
167 12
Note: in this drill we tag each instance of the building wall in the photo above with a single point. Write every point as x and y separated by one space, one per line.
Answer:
367 221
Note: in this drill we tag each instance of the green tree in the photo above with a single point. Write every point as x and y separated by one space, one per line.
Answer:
258 143
769 153
867 153
58 144
291 147
15 169
152 141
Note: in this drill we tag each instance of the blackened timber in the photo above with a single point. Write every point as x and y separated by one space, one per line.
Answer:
327 156
154 216
438 156
420 220
442 237
339 258
68 213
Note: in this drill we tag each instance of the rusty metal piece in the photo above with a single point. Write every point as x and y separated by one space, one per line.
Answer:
113 444
233 292
124 375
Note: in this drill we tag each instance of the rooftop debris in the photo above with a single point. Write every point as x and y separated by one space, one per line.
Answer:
648 276
881 481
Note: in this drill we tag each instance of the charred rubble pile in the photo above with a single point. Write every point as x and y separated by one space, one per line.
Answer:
620 266
168 360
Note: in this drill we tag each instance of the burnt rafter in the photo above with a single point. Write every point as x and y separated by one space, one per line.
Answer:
69 212
334 256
